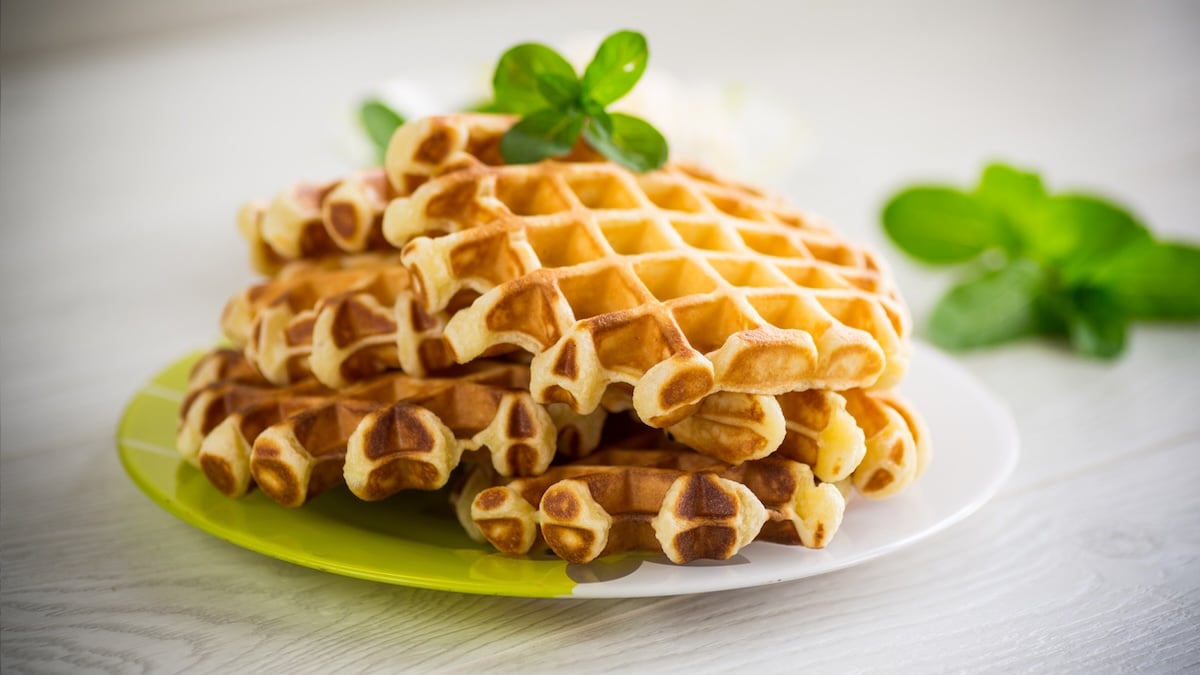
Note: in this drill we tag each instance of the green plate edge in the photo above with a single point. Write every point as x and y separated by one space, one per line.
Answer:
410 540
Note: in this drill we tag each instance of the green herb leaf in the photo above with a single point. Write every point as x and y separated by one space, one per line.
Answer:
1088 316
1015 194
1083 266
996 307
616 68
534 81
380 122
489 106
1095 323
1002 187
561 92
1079 232
543 134
523 72
627 140
591 108
942 225
1153 280
1051 308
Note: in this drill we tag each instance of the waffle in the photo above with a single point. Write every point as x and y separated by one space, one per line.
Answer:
898 445
875 437
683 504
313 220
341 320
380 436
672 283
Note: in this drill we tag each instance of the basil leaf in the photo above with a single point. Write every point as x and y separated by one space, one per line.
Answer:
380 122
1153 280
996 307
1079 232
942 225
627 140
516 84
617 66
1095 323
545 133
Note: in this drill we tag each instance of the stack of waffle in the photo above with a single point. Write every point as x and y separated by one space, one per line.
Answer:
606 361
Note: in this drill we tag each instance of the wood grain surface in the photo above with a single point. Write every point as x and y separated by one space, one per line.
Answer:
123 160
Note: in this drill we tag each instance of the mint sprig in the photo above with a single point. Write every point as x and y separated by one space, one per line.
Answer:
380 122
1071 265
557 106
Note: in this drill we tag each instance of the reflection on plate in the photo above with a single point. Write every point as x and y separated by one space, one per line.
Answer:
412 539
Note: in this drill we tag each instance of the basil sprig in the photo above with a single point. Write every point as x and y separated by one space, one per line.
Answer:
1072 265
557 106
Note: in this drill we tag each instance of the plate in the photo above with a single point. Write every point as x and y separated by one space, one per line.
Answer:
412 539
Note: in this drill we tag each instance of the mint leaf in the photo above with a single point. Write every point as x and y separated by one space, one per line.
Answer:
535 81
942 225
545 133
627 140
1153 280
1051 308
1003 187
518 81
996 307
558 90
380 122
484 107
1095 323
1084 266
1078 232
616 67
1015 194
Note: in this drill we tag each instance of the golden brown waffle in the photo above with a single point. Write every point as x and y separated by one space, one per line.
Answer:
383 435
875 437
312 220
342 319
898 445
673 283
681 503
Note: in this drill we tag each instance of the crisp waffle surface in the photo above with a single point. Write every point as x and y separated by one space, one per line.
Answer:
762 345
380 436
674 283
313 220
341 319
897 440
875 439
319 219
683 504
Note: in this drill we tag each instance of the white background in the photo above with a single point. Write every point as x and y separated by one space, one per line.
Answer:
130 132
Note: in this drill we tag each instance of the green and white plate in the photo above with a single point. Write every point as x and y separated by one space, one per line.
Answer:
413 539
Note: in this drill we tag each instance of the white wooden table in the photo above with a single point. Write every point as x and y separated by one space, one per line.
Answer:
124 158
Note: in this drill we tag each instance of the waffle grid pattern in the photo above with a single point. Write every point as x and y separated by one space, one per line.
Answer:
342 321
315 220
754 335
675 501
380 436
670 282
